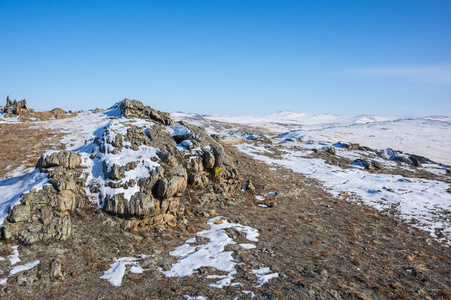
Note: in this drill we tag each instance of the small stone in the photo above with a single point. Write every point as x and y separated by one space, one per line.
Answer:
55 270
376 164
331 150
190 229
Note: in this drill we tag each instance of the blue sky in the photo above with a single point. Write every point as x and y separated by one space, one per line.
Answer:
230 57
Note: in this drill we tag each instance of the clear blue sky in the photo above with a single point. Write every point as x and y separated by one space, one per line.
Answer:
230 57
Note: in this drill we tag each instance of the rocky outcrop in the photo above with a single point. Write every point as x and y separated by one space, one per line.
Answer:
174 169
185 157
44 215
138 170
15 108
136 109
402 158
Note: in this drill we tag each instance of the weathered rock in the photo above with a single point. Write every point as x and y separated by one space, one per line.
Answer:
56 272
148 183
208 160
365 148
115 204
362 163
168 187
58 111
331 150
43 215
249 186
136 137
141 204
263 139
415 162
27 278
113 172
136 109
61 184
376 164
195 165
400 159
8 102
64 158
289 193
216 137
198 180
15 108
420 159
19 213
349 146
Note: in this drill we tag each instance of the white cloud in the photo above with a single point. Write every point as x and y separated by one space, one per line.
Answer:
431 74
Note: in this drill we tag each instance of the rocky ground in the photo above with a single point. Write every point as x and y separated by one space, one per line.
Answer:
321 246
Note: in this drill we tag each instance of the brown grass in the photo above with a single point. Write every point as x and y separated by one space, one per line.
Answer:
22 144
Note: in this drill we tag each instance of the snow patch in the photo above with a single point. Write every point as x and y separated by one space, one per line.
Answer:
14 258
212 254
263 276
11 189
117 270
421 201
25 267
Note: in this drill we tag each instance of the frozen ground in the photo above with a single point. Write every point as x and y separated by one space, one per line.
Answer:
426 136
424 203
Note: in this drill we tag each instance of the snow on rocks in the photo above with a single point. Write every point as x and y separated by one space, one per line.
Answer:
246 136
178 131
11 190
129 165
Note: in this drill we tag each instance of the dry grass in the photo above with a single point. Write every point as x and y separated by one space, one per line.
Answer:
22 144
